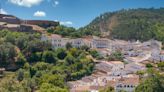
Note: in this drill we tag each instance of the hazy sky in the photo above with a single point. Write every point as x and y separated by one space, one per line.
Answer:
76 13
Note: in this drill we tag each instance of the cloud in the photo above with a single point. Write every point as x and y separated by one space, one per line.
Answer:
55 3
2 11
25 3
66 23
56 20
39 14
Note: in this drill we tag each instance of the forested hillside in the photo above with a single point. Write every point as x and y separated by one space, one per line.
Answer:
133 24
36 66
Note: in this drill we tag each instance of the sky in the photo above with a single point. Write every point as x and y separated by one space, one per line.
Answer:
75 13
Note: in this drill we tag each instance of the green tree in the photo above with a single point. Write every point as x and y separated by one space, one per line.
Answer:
61 53
94 53
69 59
21 60
20 76
46 87
107 89
32 71
154 83
116 56
56 80
161 65
149 65
85 47
68 46
48 56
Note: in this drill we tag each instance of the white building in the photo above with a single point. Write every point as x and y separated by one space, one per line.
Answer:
127 84
117 68
56 41
134 67
145 55
157 56
153 44
77 42
44 37
121 45
162 55
100 42
104 67
92 42
88 41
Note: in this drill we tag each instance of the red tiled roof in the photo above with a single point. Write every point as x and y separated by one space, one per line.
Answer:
56 36
131 80
112 83
162 52
80 89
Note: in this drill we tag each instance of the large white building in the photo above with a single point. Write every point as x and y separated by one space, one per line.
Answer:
127 84
77 42
60 42
56 40
100 42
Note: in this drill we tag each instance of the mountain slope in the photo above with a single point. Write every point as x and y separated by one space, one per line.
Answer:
133 24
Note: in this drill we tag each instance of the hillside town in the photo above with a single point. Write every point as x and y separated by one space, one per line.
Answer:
81 46
121 75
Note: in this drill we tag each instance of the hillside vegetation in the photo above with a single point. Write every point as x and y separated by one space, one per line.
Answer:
133 24
37 66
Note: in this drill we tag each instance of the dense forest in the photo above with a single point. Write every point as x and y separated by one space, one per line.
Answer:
133 24
37 66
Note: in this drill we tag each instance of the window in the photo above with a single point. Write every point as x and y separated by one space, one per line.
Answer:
59 45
